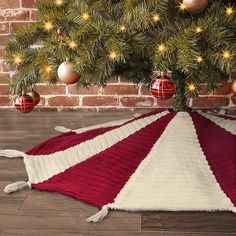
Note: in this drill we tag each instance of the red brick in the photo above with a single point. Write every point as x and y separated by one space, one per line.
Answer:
210 102
4 38
63 101
4 78
4 28
5 101
34 15
234 100
4 67
30 3
42 101
16 14
100 101
50 90
14 26
9 4
165 103
74 89
223 90
137 101
120 89
233 75
4 90
145 91
2 52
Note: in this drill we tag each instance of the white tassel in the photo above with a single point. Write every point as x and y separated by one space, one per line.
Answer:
62 129
9 153
17 186
99 216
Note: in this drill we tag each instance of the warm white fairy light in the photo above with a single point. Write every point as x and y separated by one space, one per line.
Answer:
161 47
48 25
182 6
85 16
226 54
17 59
122 28
48 69
199 59
113 55
198 29
72 44
229 10
59 2
156 17
191 87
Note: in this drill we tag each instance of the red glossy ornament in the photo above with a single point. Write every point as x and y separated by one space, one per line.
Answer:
162 87
35 96
24 103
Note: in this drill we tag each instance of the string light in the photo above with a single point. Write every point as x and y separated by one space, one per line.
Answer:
161 47
156 17
17 59
182 6
229 10
198 29
226 55
59 2
85 16
48 25
72 44
122 28
113 55
191 87
199 59
48 69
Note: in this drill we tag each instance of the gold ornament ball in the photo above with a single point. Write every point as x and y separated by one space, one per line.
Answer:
195 6
35 95
233 87
66 73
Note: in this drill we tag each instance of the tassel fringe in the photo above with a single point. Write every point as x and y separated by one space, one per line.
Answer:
62 129
10 153
99 216
17 186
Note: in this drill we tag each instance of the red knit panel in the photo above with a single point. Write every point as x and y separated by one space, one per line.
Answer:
99 179
219 147
71 139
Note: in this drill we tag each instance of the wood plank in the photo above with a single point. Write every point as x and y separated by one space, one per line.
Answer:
12 170
112 222
189 221
20 232
40 202
33 212
10 203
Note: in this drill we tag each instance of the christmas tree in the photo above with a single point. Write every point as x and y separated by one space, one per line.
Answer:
195 40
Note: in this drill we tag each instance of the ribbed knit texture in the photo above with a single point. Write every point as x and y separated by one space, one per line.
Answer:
158 161
99 179
219 147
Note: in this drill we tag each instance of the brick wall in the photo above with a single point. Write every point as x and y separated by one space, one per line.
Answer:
117 95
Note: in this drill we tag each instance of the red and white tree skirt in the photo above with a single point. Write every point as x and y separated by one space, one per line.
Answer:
158 161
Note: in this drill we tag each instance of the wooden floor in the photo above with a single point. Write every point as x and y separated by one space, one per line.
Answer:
33 212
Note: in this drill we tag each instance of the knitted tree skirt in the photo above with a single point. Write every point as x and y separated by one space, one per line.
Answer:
158 161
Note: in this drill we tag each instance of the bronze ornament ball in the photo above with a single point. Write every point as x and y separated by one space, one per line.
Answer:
233 87
195 6
35 95
66 73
